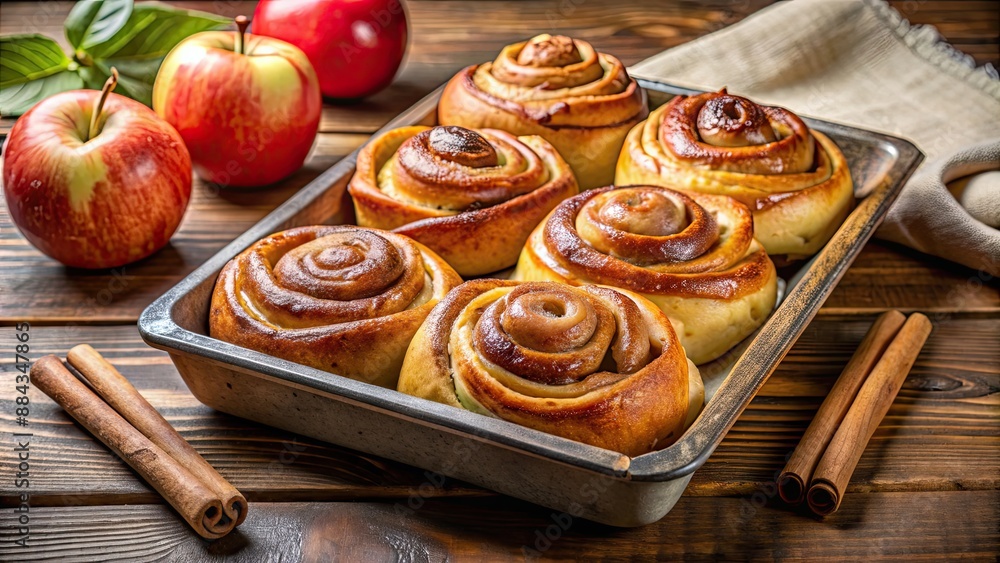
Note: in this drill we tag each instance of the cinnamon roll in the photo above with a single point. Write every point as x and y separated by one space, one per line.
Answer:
581 101
592 364
693 255
471 196
342 299
795 180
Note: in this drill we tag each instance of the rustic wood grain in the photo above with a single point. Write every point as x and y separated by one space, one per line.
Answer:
971 26
262 462
37 289
949 409
941 433
40 290
727 528
444 40
890 276
927 487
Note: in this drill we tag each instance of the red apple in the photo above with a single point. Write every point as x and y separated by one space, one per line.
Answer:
95 193
356 46
248 107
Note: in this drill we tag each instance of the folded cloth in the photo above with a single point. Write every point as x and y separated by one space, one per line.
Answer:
929 218
859 62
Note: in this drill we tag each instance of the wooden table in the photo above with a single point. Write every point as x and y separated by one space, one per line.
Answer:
928 485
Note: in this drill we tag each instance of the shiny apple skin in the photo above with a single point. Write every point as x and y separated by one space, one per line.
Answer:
356 46
248 119
103 203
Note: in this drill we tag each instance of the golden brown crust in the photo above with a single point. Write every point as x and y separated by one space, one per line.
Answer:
796 181
581 101
694 255
471 196
341 299
720 131
592 364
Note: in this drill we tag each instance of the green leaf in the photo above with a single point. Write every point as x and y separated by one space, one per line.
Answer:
32 67
138 48
17 99
24 58
153 30
105 33
135 78
92 22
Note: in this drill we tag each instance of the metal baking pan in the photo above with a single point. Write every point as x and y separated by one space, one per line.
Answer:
581 480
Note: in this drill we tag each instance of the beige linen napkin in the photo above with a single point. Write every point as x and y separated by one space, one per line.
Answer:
858 62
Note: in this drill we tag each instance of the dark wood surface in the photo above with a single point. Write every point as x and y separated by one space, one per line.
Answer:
927 487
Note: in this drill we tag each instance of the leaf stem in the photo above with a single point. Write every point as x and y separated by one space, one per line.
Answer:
83 58
95 117
241 24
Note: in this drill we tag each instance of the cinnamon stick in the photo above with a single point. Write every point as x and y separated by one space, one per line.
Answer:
177 480
826 490
118 392
793 480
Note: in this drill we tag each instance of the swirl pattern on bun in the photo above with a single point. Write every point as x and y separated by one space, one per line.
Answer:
471 196
562 89
693 255
794 179
589 363
342 299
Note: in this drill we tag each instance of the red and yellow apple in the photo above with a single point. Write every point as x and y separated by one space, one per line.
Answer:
356 46
248 107
95 193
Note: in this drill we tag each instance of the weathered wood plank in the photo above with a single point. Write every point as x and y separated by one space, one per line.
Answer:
264 463
908 499
38 289
443 40
891 276
942 433
961 22
910 526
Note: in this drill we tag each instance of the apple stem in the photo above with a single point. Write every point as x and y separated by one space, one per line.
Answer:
95 118
241 24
